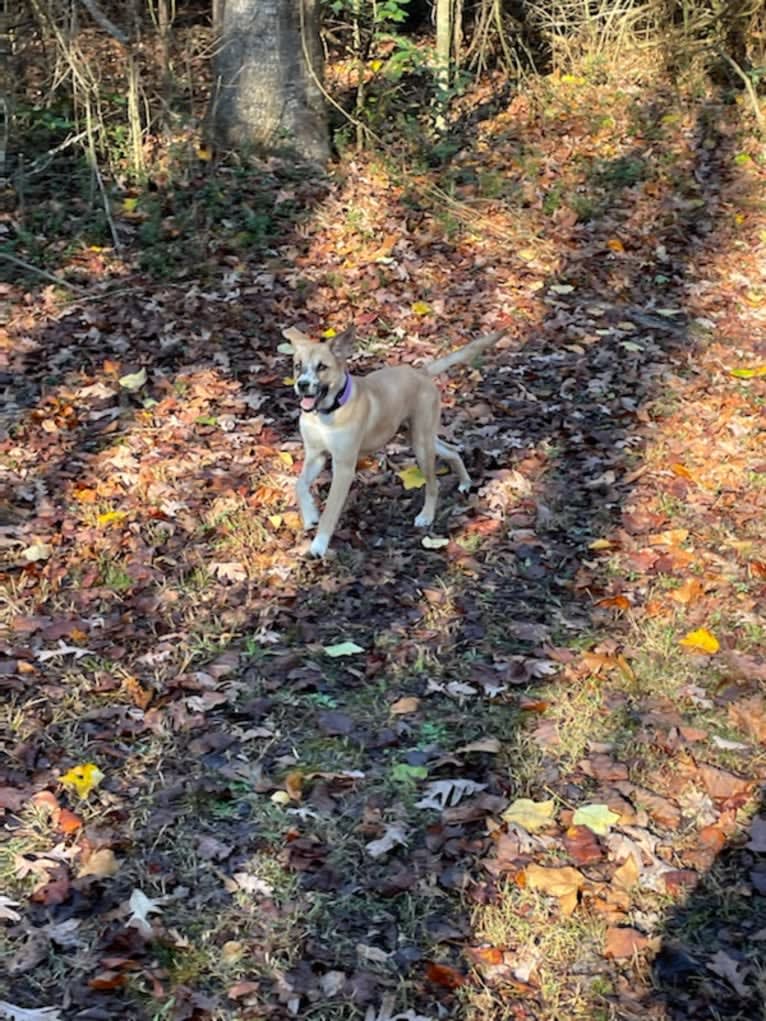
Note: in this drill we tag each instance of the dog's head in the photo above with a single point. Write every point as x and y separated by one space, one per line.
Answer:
319 367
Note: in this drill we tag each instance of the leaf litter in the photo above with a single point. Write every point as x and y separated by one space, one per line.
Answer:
339 820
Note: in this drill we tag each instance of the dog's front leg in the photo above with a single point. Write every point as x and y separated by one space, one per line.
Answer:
312 468
342 476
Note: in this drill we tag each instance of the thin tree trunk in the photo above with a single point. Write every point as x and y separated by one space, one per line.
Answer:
268 71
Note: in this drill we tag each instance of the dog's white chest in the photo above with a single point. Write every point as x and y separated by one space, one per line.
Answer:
320 432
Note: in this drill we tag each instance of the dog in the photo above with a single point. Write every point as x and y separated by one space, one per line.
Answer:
346 416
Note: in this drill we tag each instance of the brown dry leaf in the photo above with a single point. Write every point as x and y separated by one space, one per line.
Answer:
622 941
490 745
627 874
562 883
102 864
720 784
404 706
582 845
294 784
663 811
749 716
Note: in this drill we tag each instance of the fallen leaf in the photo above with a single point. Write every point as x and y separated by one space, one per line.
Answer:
420 308
735 972
83 778
562 883
343 649
110 518
68 822
6 909
622 941
36 552
442 793
582 846
687 593
721 785
745 373
530 815
141 907
412 477
444 975
13 1013
701 640
428 541
405 706
394 836
133 380
598 818
490 745
102 864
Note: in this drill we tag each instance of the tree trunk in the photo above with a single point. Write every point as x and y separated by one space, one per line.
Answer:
266 96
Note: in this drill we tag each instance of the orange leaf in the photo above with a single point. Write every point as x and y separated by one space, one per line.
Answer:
444 975
68 822
562 883
619 602
688 593
681 471
615 245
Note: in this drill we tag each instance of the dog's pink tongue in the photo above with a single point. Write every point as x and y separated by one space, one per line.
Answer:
307 403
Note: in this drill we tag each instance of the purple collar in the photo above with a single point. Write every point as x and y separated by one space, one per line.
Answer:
341 398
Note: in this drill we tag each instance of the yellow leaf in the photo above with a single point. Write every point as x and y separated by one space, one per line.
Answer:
288 380
330 332
615 244
286 458
599 544
530 815
421 308
109 518
129 205
412 477
204 153
701 640
83 778
755 372
375 65
275 520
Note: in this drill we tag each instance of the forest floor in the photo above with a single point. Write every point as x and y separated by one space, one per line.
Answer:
511 770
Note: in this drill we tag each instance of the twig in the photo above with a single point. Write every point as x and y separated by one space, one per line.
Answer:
40 272
42 162
101 19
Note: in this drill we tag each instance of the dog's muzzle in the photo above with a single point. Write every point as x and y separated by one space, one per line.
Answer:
310 397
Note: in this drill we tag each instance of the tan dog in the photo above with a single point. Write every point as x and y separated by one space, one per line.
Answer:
346 417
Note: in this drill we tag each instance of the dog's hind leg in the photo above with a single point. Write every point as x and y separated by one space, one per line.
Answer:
449 454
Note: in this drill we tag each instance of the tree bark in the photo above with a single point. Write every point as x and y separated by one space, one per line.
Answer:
267 70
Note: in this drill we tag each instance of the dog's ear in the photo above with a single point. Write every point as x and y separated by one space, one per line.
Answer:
297 338
342 344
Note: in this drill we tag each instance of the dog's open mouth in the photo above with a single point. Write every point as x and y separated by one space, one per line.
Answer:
309 403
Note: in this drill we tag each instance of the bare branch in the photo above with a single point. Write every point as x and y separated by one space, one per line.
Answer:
101 19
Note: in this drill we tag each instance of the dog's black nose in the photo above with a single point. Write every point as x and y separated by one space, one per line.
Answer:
302 385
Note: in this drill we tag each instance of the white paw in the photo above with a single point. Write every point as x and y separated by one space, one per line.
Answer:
310 518
319 546
423 520
464 487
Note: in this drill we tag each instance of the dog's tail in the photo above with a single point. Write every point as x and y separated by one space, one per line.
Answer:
461 355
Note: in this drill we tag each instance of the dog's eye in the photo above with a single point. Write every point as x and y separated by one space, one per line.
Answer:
321 367
298 368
